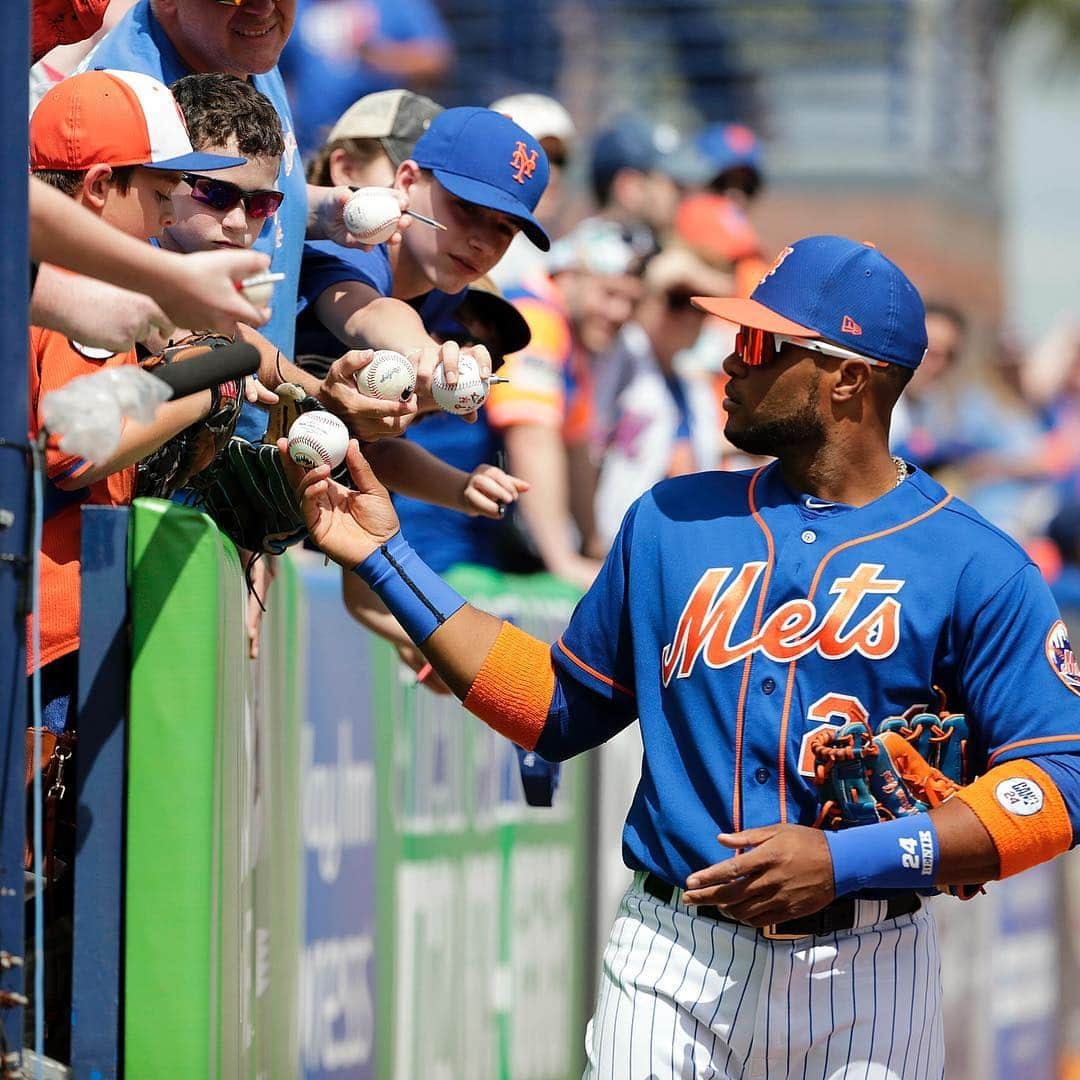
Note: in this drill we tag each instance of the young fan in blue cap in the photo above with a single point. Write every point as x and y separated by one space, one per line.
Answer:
480 175
781 637
474 171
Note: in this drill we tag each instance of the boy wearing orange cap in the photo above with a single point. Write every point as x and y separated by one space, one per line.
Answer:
117 144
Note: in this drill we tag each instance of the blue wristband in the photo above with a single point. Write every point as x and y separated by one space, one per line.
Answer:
417 597
899 854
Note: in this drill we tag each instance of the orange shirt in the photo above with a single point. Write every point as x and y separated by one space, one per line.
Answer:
55 361
536 392
550 380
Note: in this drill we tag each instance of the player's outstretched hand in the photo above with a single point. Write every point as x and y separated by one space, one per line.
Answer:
489 491
366 417
347 525
326 217
786 873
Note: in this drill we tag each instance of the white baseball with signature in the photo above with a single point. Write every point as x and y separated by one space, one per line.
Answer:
469 393
318 438
389 376
372 214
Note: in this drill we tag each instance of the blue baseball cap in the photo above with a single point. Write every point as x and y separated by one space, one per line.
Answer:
634 143
728 146
836 290
485 158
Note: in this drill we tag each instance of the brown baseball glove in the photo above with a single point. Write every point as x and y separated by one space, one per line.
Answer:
176 463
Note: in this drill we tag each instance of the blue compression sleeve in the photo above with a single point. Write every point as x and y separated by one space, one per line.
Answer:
899 854
417 597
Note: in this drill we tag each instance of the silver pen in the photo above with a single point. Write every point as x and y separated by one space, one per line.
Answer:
426 220
413 213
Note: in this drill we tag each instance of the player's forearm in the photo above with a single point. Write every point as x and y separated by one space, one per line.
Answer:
459 648
139 440
502 674
408 469
966 852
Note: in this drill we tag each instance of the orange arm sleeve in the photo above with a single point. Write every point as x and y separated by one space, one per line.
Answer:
512 690
1024 813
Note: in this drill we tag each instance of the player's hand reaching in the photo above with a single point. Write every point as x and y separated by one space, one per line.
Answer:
366 417
786 873
347 525
489 491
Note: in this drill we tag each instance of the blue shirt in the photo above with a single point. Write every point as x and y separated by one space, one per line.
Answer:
323 64
734 617
138 43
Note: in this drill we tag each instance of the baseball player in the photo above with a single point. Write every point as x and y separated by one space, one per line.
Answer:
740 618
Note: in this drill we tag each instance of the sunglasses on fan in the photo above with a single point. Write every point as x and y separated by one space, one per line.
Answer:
755 347
221 195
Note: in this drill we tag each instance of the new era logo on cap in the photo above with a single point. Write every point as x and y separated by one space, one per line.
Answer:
114 118
485 158
836 289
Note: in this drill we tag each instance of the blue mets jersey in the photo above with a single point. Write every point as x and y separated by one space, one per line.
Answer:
735 616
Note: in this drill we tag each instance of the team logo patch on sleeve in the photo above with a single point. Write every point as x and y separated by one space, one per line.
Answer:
1062 658
1019 796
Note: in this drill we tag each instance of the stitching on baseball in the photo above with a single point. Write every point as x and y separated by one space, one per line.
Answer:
303 441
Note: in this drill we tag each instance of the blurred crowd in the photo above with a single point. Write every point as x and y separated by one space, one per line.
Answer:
613 377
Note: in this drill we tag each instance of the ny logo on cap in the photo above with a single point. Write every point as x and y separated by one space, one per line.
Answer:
524 162
850 326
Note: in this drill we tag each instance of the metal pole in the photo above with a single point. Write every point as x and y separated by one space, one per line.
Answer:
14 503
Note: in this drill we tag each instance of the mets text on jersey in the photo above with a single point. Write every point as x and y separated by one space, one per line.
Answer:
791 631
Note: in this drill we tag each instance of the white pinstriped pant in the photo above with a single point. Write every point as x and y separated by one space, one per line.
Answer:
686 996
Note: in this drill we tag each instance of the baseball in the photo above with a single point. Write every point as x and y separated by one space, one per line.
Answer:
389 376
470 392
372 214
259 288
318 438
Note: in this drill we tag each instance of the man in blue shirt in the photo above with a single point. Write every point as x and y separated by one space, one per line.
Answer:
344 49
